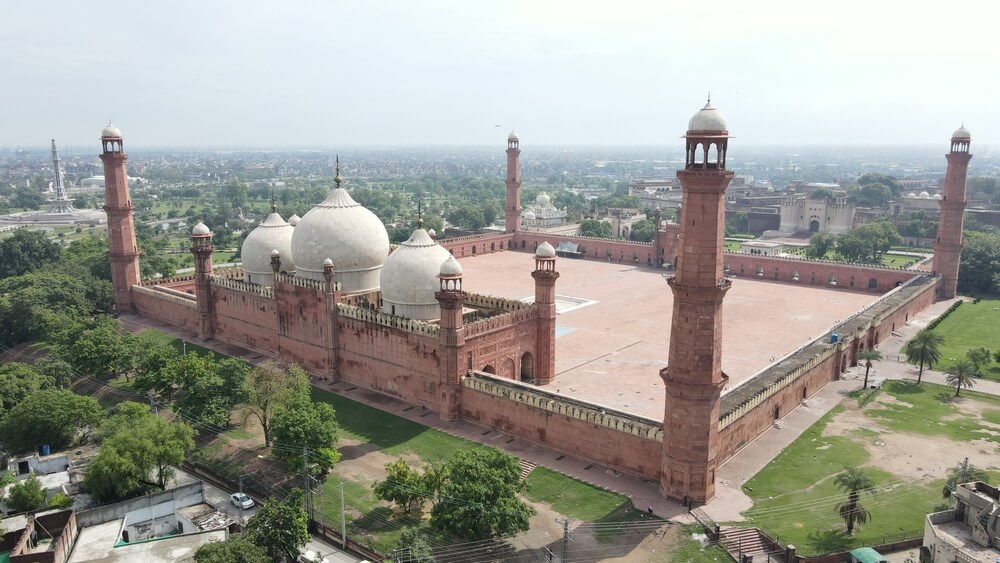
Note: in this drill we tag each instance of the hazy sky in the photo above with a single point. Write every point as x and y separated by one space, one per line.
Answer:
331 73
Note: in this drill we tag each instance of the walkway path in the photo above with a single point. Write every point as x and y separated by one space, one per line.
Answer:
730 500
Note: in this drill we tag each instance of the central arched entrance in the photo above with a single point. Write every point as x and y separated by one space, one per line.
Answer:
814 226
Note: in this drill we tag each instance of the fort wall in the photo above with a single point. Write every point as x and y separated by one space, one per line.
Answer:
168 308
475 245
858 277
244 314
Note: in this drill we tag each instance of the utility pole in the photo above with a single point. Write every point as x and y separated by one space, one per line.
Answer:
241 503
565 525
343 518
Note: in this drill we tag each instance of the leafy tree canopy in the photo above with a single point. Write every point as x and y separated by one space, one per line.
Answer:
270 387
306 424
979 265
49 417
280 526
236 549
26 495
26 251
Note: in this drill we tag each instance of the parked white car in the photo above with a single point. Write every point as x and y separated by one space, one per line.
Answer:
241 500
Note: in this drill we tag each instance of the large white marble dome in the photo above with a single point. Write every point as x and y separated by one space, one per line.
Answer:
347 233
273 233
410 278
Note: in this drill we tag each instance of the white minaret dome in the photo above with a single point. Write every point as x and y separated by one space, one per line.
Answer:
962 133
451 267
200 230
409 278
529 215
328 262
432 233
344 231
111 132
275 234
294 220
545 250
709 120
513 136
542 199
275 253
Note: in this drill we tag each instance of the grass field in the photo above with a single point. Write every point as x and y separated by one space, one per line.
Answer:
969 326
794 495
182 346
898 260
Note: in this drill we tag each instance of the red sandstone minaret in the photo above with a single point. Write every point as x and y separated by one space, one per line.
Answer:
451 298
693 379
513 209
948 244
545 275
123 252
201 247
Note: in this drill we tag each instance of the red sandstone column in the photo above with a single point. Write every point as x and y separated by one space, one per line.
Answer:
693 379
123 253
451 298
545 275
948 244
512 213
201 247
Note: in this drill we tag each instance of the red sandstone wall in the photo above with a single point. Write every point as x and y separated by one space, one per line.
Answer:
390 360
815 272
244 319
503 349
302 326
478 244
166 311
623 251
590 441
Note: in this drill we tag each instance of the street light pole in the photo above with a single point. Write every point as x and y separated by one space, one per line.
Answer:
241 503
343 517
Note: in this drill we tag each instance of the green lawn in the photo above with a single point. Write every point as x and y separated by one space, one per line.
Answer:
571 497
898 260
969 326
690 550
180 344
794 495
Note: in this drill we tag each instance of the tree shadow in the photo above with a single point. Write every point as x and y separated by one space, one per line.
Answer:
828 541
905 388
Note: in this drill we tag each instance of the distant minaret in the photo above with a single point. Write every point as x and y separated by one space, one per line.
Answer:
122 249
61 204
512 212
948 244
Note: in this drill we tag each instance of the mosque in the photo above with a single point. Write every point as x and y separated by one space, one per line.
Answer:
330 293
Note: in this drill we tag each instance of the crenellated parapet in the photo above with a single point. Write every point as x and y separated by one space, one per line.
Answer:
171 279
282 277
381 319
476 300
189 302
499 322
240 285
591 413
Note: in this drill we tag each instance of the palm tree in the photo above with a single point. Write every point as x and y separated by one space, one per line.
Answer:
853 481
869 356
962 374
925 348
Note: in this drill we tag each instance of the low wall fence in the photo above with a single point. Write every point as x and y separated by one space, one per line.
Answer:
319 286
379 318
592 413
497 322
107 513
171 279
164 296
240 285
491 302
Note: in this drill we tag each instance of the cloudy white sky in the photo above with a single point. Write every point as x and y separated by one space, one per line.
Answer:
331 73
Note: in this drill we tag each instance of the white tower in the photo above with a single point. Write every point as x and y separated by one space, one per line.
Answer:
61 204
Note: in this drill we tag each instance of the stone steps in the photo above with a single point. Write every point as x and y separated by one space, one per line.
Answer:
526 468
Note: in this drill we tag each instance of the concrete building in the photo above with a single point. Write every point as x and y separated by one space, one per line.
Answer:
969 532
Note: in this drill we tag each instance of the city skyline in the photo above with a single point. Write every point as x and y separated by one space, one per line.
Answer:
387 74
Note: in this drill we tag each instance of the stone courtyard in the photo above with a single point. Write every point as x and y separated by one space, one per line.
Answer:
610 351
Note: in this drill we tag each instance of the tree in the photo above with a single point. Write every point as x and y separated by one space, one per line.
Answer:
269 387
150 368
17 381
962 374
403 486
101 350
26 251
26 495
58 372
303 424
236 549
644 231
820 244
869 356
979 265
869 242
883 179
34 304
479 498
978 357
280 526
853 481
49 417
964 472
595 228
924 349
27 198
138 457
413 547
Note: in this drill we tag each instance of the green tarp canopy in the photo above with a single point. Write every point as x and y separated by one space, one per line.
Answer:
867 555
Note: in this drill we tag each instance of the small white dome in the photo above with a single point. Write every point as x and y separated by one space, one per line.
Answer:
409 278
200 230
328 262
912 195
451 267
275 234
545 250
275 253
432 233
936 196
294 220
111 132
343 230
962 134
512 137
708 119
542 199
528 215
924 195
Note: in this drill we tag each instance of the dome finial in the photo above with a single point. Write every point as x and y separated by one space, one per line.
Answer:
337 179
709 101
274 205
420 212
